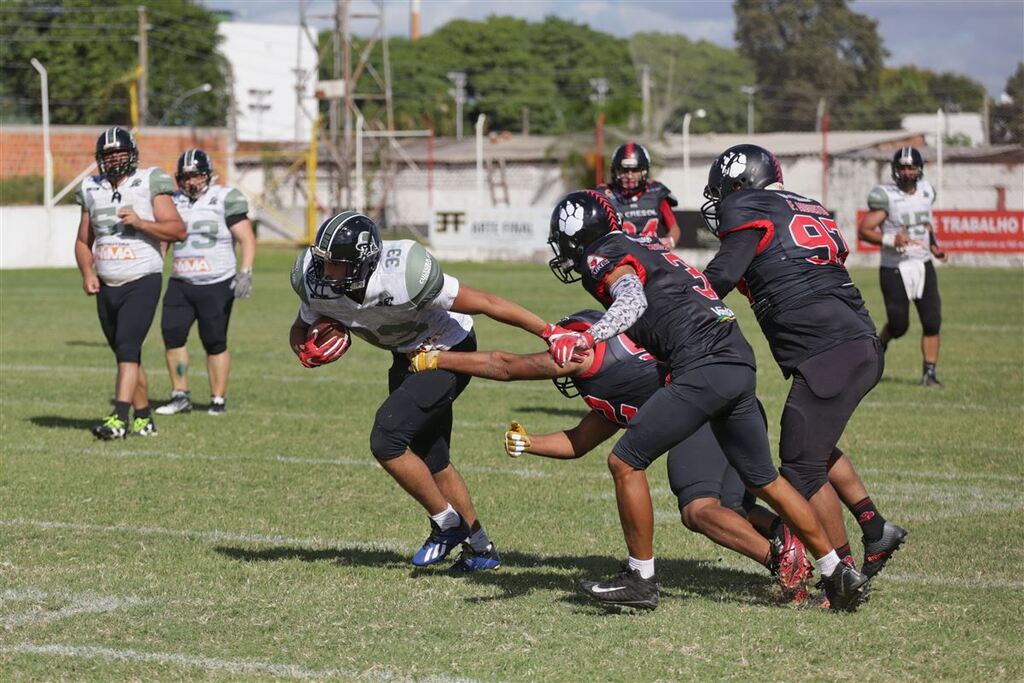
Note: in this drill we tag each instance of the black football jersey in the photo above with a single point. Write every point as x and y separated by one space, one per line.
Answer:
685 324
645 214
799 289
620 380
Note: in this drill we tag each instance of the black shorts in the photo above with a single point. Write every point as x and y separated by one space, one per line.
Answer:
184 303
897 305
417 415
126 314
826 390
722 394
697 468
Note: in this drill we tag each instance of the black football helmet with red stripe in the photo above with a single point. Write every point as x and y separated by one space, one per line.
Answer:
631 156
578 219
741 167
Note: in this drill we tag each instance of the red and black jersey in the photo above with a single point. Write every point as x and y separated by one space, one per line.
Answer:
685 324
798 287
620 380
648 213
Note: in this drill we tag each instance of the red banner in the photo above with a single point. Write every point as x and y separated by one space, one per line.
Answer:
999 232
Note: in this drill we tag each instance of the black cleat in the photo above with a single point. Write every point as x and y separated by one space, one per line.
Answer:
111 428
846 589
472 561
625 588
931 381
877 553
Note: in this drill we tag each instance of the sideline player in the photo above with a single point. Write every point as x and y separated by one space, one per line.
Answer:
394 295
204 283
615 379
788 254
901 221
126 214
670 309
645 204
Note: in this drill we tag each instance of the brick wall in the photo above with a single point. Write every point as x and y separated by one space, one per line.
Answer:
73 148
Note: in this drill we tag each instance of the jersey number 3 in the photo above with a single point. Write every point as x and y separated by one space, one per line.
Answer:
819 233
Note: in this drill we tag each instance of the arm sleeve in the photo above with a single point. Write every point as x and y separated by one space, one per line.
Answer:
425 280
160 183
878 200
629 304
732 260
236 208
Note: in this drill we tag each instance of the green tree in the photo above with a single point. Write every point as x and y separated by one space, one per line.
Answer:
803 50
691 75
1008 116
89 51
512 66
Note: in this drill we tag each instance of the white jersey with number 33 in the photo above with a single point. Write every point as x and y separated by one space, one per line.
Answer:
406 306
207 255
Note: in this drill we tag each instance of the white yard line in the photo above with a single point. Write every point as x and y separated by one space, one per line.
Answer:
80 604
234 666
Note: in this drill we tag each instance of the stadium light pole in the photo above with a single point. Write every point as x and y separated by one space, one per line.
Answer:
700 113
749 90
205 87
458 79
47 155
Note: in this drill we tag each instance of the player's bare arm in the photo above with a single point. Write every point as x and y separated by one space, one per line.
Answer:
870 230
243 232
83 255
475 302
591 432
503 366
166 225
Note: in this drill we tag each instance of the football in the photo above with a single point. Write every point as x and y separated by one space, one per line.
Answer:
327 331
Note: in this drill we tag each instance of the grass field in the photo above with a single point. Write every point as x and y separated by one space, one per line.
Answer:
269 545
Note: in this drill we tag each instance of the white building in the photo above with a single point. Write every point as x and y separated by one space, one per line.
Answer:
274 75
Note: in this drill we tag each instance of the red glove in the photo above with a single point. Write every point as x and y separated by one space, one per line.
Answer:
313 356
565 345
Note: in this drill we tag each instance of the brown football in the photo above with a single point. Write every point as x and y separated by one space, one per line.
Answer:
327 329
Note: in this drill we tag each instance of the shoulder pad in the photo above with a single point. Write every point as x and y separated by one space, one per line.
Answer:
298 276
235 202
423 275
160 183
878 199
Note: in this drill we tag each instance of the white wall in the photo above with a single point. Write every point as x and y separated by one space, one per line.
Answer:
264 57
26 242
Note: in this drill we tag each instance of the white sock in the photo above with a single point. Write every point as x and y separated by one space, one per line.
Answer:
216 399
447 518
827 565
645 567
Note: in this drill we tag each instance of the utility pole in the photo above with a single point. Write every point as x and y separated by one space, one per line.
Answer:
600 94
458 79
144 66
750 90
645 89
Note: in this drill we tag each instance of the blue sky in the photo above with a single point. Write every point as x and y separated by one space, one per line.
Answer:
983 39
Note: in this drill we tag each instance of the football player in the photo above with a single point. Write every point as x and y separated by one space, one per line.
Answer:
671 310
205 279
394 295
645 204
615 379
900 220
786 253
127 213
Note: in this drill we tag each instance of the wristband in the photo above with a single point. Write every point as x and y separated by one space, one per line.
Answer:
889 240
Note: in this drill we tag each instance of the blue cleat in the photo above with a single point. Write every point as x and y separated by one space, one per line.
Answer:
472 561
440 543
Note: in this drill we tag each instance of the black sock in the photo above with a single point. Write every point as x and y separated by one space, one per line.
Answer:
870 519
844 553
143 412
929 369
121 410
478 540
